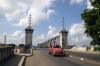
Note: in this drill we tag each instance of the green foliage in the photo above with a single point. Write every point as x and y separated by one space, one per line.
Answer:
91 19
96 49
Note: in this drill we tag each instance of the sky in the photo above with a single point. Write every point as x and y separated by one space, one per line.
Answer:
46 20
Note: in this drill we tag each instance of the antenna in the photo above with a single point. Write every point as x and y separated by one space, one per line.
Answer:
30 20
63 23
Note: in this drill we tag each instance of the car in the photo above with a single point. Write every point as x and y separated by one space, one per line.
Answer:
55 49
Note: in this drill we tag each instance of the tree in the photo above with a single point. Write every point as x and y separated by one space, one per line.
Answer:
91 19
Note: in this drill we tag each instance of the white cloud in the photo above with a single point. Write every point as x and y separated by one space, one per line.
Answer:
85 38
82 38
77 40
4 33
52 31
80 1
15 38
75 1
89 5
36 17
77 29
22 36
12 9
20 9
16 33
77 33
41 36
50 34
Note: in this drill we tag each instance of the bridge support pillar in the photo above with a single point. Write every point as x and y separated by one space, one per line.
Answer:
63 38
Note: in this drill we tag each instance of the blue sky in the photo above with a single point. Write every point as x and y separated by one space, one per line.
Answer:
46 20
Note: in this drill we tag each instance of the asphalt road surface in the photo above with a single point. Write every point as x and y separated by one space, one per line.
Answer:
42 58
90 56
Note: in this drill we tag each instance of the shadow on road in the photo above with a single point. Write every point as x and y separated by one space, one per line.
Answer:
12 61
66 55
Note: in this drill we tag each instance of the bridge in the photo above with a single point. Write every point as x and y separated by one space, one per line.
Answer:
60 39
40 57
24 55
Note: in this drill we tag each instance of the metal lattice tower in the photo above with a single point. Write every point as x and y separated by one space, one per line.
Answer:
63 23
30 20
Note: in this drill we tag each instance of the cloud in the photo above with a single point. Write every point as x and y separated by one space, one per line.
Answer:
22 36
16 33
75 1
12 9
4 33
80 1
89 5
36 17
20 10
76 32
77 29
85 38
77 40
41 36
52 32
16 37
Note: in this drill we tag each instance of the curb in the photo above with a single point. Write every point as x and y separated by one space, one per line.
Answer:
22 61
86 60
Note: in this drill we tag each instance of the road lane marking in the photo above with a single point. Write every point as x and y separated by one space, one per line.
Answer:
81 58
86 60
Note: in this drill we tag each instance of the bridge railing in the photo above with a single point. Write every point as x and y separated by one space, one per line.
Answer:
5 52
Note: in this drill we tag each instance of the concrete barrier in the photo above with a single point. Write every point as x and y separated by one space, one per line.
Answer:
79 48
5 52
19 49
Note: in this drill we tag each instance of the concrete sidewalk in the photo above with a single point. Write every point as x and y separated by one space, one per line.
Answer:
16 59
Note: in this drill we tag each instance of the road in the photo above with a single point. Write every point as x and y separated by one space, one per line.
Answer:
90 56
42 58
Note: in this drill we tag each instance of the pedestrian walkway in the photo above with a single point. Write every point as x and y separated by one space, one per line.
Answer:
15 59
